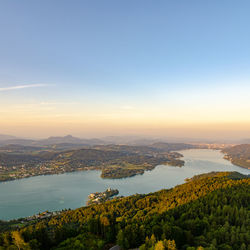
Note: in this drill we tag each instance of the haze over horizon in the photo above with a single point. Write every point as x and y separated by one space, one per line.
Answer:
94 69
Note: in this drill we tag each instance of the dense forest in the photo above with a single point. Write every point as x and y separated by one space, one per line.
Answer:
238 155
210 211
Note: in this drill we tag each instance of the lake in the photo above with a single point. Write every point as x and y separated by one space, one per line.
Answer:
25 197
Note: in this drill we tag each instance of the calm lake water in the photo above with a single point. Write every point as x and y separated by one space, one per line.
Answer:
30 196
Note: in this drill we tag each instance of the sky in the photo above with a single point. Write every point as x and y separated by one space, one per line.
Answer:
152 68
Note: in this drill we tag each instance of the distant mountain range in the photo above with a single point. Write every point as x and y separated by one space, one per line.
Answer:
70 140
7 137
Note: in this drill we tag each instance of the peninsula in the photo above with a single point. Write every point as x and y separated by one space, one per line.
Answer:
239 155
100 197
115 161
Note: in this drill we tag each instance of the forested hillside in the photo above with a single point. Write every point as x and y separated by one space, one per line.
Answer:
209 211
238 155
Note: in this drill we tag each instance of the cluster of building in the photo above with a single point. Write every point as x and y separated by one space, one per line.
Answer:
24 171
42 215
217 146
99 197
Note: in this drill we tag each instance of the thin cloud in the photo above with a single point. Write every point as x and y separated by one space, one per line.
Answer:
57 103
23 87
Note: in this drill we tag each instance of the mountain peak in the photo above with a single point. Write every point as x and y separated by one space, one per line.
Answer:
69 136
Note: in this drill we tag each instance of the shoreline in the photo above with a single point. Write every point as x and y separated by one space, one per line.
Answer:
225 156
44 174
178 163
115 186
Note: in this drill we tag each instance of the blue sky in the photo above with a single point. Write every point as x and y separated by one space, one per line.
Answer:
123 59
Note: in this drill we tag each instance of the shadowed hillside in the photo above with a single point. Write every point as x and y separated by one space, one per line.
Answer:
239 155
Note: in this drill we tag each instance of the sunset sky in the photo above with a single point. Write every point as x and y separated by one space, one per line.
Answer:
97 68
